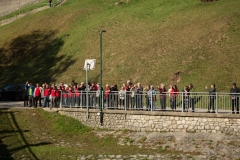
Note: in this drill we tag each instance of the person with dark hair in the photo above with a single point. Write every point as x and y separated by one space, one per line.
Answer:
93 90
37 95
191 97
114 96
82 90
128 93
139 96
234 94
58 96
148 107
31 95
162 90
133 96
25 94
173 97
47 93
53 96
212 97
50 3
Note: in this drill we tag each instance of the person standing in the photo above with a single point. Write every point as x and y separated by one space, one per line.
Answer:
173 98
191 97
31 95
58 96
37 95
47 93
212 97
93 91
139 96
128 93
122 93
152 97
25 94
53 97
162 90
133 96
83 93
147 97
50 3
107 95
234 94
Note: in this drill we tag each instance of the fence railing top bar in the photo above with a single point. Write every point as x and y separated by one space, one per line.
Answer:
157 93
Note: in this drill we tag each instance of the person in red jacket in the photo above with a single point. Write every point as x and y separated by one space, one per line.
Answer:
173 97
47 93
71 97
37 95
53 97
58 95
93 90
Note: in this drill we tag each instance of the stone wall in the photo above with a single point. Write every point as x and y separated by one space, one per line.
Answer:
158 121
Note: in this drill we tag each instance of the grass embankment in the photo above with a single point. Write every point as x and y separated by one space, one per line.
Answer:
37 134
146 41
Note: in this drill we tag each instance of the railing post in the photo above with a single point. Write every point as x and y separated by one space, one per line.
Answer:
182 101
61 100
102 100
151 103
216 102
125 100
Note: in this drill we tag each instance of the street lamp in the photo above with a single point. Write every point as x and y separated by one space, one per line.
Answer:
101 91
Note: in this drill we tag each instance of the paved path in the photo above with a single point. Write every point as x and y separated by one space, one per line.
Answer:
7 6
10 104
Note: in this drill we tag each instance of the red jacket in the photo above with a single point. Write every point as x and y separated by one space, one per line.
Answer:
106 93
37 92
53 93
47 92
58 93
174 93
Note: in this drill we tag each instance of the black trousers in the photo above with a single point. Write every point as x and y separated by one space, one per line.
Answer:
235 104
38 98
25 100
211 103
163 102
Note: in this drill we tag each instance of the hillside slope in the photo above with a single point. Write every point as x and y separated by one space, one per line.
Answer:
151 42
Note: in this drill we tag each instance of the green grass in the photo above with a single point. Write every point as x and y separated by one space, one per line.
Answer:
37 135
146 41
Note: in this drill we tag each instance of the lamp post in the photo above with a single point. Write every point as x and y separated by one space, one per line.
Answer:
101 91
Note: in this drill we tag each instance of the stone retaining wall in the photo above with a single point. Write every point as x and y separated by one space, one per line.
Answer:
158 121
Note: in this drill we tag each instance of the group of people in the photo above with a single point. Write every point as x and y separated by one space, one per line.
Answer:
130 95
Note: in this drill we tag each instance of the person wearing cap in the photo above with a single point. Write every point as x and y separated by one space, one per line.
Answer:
235 98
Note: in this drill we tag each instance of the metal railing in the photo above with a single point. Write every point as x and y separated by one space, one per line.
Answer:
181 102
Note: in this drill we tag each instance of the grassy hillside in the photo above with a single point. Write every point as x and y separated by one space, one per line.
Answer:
146 41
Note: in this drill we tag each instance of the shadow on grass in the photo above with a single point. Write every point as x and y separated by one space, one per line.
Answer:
33 57
14 130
